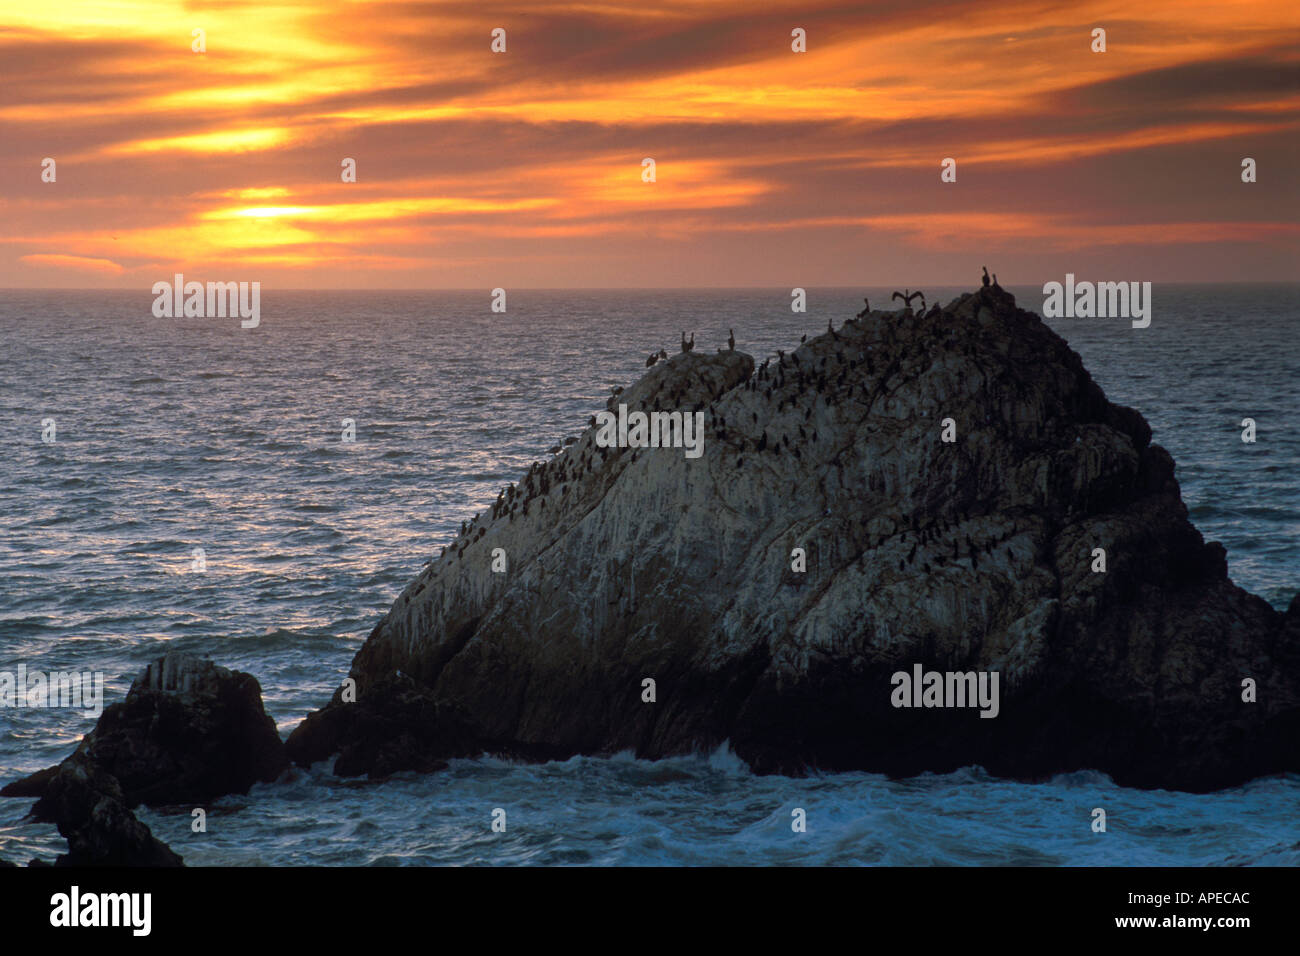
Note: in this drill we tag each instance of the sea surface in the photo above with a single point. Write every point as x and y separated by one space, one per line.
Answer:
176 434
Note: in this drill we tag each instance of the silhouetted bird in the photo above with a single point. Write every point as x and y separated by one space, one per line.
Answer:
986 276
654 357
907 296
731 340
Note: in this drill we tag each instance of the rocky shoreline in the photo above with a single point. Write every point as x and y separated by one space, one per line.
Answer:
926 493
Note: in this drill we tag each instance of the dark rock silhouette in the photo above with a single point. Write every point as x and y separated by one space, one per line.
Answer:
188 732
650 565
91 811
397 725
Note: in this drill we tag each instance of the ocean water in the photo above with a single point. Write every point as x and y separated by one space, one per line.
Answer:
194 433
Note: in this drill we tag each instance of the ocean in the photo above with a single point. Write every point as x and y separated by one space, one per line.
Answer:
177 434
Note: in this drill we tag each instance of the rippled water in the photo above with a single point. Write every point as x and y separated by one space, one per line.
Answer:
182 434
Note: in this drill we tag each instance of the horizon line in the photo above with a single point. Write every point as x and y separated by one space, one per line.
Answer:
639 288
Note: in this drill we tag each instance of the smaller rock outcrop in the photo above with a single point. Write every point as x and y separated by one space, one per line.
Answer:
188 732
88 805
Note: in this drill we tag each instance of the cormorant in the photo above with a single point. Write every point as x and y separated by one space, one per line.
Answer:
986 276
731 340
907 296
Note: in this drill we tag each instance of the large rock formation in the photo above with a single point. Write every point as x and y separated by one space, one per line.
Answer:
970 555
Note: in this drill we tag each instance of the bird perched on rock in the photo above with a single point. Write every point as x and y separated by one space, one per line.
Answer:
986 276
907 296
866 308
654 357
731 340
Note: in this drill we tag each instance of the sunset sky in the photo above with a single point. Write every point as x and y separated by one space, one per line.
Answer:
523 168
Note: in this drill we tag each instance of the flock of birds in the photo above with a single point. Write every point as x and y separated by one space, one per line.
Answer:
814 380
906 296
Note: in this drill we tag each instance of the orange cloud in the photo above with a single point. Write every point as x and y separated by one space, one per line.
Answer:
231 156
84 263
